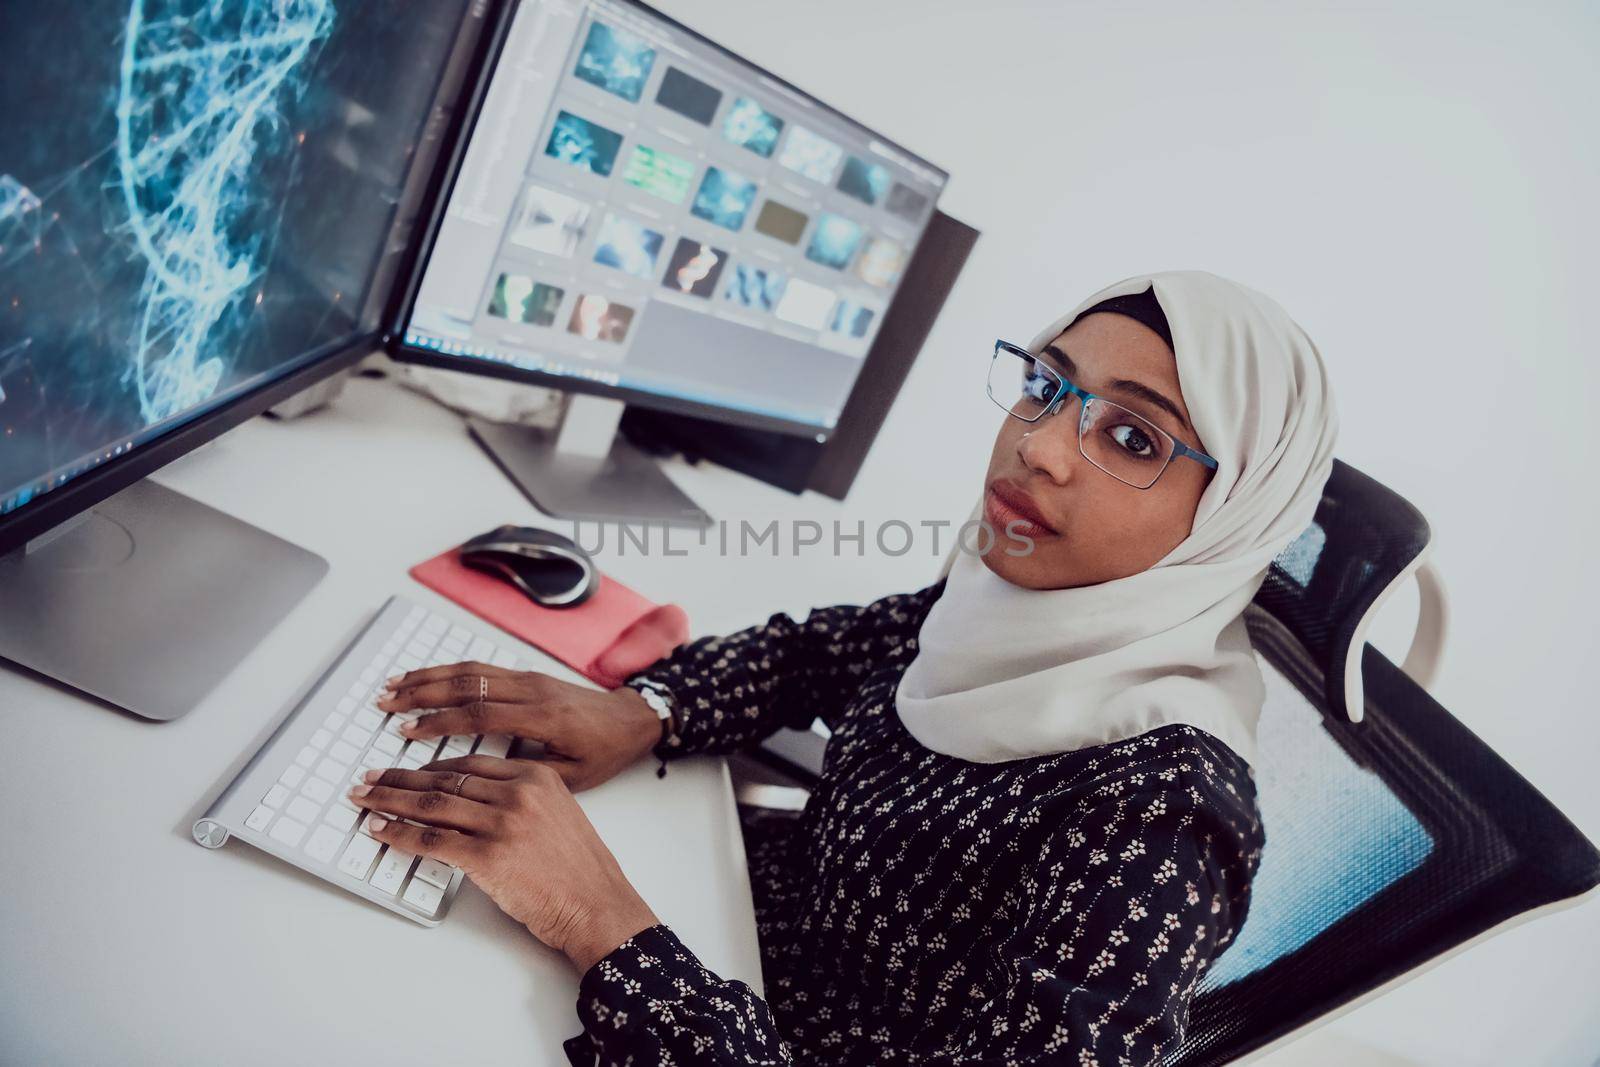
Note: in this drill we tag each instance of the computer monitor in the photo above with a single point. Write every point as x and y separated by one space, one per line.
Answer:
639 214
200 207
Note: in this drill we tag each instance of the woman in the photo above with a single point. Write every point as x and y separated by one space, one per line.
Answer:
1036 824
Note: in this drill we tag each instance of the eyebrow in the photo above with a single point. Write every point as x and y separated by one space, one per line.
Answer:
1125 385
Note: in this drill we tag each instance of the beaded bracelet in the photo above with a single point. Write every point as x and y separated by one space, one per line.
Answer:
655 694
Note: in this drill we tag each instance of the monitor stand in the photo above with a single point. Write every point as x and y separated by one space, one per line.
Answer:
587 470
149 599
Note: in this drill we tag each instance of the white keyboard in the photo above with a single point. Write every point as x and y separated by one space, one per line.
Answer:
290 799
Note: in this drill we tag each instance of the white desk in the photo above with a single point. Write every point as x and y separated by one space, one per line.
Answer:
123 941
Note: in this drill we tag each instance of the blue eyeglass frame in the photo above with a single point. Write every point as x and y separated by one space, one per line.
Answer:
1084 396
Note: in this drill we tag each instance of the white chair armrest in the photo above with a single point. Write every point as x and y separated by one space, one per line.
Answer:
1426 654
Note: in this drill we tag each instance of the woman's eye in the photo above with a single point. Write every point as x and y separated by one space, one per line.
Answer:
1133 441
1038 388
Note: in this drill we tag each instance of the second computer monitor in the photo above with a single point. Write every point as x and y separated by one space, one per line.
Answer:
640 213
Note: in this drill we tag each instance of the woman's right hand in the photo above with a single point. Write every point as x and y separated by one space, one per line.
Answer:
589 735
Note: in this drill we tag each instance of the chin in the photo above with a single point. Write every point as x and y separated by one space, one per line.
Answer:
1018 570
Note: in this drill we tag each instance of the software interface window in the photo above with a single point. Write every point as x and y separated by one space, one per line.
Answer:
637 207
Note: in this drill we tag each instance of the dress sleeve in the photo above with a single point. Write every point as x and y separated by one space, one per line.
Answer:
731 692
651 1001
1116 922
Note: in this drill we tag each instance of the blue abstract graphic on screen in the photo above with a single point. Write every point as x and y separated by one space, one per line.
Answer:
194 197
198 98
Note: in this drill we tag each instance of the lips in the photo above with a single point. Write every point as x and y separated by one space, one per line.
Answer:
1005 504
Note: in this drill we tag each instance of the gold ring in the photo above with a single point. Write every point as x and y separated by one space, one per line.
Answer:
483 689
461 783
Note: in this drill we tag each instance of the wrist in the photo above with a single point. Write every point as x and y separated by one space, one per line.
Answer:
644 726
603 935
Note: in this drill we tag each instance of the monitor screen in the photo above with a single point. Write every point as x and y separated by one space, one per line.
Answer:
194 198
639 208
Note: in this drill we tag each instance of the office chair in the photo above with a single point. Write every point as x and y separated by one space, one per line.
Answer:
1394 837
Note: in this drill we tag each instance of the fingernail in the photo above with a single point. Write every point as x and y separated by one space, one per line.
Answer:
376 824
386 696
360 790
394 680
409 728
372 775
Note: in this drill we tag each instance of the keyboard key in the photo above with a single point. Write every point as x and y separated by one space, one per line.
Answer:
435 624
368 719
358 856
318 790
410 763
321 740
415 615
423 896
377 758
407 662
418 651
332 770
288 831
276 796
456 650
324 843
257 820
303 809
388 743
358 692
343 752
346 706
494 745
456 747
480 649
307 756
392 724
356 737
391 871
421 750
339 817
334 722
435 873
292 775
460 635
503 658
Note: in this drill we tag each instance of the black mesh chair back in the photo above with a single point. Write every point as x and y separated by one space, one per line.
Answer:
1394 836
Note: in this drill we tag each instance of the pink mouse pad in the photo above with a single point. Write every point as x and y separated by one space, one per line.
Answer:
608 637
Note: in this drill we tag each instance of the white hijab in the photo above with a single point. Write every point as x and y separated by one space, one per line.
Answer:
1003 672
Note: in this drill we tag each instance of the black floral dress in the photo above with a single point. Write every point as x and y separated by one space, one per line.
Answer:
928 910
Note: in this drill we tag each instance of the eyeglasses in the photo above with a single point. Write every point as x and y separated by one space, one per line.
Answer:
1126 446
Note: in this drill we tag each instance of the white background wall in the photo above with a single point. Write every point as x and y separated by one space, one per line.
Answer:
1417 185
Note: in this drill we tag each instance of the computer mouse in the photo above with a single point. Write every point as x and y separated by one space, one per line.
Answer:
546 567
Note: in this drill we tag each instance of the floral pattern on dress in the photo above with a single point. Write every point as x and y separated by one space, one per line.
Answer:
923 909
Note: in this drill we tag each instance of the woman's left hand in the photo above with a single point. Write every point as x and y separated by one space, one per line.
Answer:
514 828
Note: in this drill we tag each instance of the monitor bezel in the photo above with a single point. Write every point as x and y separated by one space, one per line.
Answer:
88 488
400 351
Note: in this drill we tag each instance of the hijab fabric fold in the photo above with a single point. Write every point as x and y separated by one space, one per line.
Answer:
1003 672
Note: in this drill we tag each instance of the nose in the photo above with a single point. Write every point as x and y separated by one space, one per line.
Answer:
1050 446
